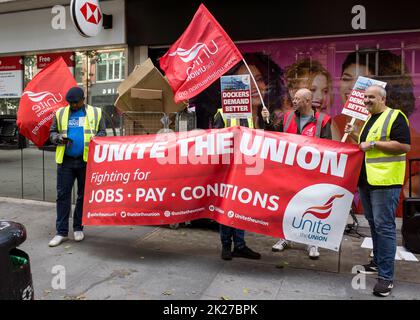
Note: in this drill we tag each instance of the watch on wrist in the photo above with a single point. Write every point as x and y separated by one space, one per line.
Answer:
372 144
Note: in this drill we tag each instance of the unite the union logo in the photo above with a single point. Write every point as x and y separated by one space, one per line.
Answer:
317 215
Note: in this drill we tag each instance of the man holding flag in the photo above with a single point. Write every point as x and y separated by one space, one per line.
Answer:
203 54
72 129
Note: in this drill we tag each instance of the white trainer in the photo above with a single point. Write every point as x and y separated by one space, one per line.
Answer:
57 240
313 252
280 245
78 236
371 254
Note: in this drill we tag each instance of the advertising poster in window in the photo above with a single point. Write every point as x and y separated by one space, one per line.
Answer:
11 77
330 67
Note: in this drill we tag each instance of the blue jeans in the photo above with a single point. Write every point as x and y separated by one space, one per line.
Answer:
229 233
379 206
67 172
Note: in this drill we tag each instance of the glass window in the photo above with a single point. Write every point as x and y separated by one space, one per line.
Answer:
110 66
101 74
78 70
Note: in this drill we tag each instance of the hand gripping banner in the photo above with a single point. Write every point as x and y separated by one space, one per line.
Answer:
278 184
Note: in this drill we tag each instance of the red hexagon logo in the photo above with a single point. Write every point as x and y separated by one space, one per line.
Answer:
91 12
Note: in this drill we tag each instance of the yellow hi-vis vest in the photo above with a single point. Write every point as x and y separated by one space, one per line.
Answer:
383 169
234 122
93 116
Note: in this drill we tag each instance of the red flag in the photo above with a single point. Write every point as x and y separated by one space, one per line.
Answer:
41 98
199 57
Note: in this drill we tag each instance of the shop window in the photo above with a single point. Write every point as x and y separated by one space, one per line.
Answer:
110 66
78 69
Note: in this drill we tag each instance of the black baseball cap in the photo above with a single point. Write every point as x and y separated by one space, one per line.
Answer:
74 95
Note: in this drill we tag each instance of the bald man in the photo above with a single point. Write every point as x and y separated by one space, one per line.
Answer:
303 120
385 140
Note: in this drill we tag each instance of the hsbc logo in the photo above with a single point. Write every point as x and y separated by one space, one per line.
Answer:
91 12
87 17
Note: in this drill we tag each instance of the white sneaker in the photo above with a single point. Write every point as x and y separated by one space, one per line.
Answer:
280 245
313 252
57 240
78 236
371 254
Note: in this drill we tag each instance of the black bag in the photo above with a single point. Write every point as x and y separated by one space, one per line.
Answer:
411 219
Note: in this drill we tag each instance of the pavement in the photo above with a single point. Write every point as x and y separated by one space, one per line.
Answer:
160 263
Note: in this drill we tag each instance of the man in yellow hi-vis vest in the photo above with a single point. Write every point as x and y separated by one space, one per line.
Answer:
229 234
72 129
385 139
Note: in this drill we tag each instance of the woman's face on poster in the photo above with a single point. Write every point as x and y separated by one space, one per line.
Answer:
349 78
320 93
256 101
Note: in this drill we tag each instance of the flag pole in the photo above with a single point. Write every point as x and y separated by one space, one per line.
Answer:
344 138
256 86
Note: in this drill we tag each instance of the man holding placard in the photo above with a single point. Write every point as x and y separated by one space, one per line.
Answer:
236 110
385 139
303 120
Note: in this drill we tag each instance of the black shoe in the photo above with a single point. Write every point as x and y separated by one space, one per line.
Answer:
370 268
226 253
245 252
383 288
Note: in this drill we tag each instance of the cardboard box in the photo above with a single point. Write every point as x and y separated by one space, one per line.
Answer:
146 89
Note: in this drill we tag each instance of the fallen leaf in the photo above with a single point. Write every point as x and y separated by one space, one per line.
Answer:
81 297
279 266
167 293
246 291
67 247
224 298
47 291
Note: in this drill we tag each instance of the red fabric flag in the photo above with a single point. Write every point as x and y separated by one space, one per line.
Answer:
43 95
199 57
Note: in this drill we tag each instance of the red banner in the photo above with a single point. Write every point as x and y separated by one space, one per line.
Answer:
278 184
43 95
199 57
